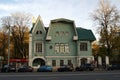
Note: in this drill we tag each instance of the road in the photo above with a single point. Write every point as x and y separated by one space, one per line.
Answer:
96 75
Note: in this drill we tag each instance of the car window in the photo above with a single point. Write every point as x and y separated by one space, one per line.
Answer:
6 66
21 66
12 65
42 66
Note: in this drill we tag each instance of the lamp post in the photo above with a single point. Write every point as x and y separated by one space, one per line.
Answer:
9 46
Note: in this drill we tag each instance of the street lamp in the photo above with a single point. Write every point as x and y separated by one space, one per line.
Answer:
9 46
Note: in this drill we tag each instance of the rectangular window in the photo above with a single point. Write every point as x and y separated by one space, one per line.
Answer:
38 47
62 49
69 62
61 62
57 48
53 62
67 48
83 46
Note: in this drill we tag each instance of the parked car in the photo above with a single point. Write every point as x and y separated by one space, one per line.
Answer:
113 67
25 69
8 68
45 68
85 67
65 68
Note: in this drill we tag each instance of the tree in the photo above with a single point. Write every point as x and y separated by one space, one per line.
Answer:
3 43
95 48
98 50
19 32
107 18
6 22
18 23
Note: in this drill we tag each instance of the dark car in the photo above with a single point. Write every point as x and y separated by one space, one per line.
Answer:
65 68
25 69
85 67
113 67
8 68
45 68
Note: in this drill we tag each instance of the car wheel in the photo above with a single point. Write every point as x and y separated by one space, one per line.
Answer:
6 70
19 71
77 69
38 71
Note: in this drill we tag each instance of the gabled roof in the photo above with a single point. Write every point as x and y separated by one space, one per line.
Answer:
85 34
62 20
34 24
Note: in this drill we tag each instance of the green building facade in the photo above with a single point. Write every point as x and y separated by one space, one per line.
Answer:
61 43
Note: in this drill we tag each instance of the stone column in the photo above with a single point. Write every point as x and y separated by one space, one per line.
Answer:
99 60
93 58
30 50
107 60
79 60
88 60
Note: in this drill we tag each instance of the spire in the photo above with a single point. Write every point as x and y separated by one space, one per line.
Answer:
33 20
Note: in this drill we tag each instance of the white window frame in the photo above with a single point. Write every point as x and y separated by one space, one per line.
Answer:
37 51
57 48
62 48
67 49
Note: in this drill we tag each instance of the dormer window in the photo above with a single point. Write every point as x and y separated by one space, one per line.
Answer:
40 32
57 33
37 32
67 33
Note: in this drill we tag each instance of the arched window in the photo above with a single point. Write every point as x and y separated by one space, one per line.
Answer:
37 32
40 32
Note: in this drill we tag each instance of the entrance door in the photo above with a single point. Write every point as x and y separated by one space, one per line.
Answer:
83 61
38 61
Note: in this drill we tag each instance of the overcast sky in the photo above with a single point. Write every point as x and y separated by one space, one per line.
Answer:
77 10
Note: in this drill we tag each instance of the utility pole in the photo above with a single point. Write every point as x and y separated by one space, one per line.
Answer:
9 46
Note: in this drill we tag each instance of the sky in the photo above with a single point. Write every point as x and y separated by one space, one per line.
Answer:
77 10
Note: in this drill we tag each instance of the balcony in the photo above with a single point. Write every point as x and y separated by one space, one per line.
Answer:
48 38
75 37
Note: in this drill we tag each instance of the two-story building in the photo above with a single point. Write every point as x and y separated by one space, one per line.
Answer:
61 43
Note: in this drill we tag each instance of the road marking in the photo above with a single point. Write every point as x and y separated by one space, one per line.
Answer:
57 74
48 78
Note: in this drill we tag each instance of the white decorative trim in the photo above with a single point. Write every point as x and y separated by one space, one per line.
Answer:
85 56
38 57
30 49
61 56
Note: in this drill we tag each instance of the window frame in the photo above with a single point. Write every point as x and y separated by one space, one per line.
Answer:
83 46
38 47
53 62
61 62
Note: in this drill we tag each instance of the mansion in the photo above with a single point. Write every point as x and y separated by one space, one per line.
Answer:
61 43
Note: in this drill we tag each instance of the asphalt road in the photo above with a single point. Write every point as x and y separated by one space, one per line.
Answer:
95 75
